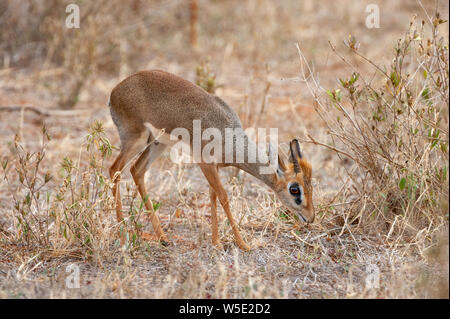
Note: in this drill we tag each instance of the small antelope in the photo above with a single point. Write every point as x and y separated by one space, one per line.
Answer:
149 101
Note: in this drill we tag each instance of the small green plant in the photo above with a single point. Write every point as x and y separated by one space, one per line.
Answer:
395 129
69 210
29 209
206 78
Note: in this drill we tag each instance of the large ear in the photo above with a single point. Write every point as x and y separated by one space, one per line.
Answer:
298 161
281 167
295 154
297 148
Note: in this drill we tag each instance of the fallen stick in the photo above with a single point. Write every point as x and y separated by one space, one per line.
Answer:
41 111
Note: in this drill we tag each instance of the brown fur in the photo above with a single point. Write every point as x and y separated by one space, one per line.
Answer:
304 180
166 102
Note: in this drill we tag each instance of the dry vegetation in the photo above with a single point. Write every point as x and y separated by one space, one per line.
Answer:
371 109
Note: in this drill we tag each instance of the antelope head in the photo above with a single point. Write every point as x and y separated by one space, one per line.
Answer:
293 183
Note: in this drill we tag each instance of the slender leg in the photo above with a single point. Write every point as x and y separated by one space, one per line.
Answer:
212 175
214 219
131 145
115 174
138 172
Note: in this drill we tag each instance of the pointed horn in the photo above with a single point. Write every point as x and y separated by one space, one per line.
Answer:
294 158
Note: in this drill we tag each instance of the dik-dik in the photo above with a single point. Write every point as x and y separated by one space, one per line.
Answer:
156 101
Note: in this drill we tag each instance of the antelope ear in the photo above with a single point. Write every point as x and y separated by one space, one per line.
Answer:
295 148
281 167
295 154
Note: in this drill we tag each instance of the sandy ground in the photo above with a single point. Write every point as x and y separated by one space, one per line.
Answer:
287 260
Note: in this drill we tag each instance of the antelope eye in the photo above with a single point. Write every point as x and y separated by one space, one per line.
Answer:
294 190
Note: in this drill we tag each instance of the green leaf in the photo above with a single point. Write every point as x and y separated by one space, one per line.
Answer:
335 95
395 78
426 94
283 216
354 78
330 94
402 184
156 206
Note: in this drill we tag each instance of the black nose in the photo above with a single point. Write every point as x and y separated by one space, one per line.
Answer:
298 201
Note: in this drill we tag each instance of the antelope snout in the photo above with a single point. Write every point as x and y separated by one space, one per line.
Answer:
307 215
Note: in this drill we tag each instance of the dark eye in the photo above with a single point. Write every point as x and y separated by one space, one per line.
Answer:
294 190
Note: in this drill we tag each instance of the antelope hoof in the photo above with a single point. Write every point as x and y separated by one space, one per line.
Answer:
243 246
162 239
218 246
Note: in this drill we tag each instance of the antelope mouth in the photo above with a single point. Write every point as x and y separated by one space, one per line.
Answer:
299 215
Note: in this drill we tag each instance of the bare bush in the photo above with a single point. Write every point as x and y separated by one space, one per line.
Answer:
394 127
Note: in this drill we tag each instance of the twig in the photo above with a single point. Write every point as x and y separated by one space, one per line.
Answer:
40 111
312 140
263 103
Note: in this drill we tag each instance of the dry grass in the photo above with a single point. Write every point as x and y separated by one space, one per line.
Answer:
373 118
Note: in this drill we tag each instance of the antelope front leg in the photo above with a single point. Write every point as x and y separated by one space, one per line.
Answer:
212 175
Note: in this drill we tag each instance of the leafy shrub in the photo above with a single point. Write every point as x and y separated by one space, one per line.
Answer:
395 130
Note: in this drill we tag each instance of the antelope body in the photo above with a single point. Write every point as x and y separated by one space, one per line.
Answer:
156 100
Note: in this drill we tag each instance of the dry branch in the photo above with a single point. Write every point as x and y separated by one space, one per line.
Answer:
40 111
